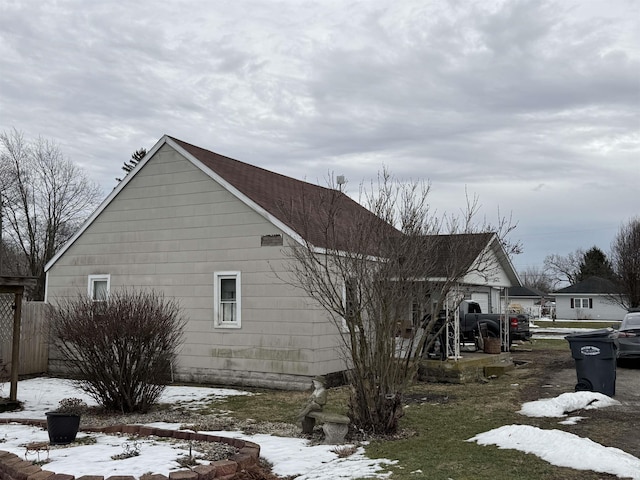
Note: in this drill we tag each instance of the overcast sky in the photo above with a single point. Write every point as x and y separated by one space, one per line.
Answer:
533 105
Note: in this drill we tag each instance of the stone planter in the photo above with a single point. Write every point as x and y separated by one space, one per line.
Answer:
62 427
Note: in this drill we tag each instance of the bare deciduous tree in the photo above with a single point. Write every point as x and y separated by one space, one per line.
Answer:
564 269
534 277
374 269
625 258
5 182
45 201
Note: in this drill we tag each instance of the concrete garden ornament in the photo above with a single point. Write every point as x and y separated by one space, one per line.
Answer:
317 400
334 426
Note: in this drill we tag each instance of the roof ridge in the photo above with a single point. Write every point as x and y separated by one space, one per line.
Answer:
250 165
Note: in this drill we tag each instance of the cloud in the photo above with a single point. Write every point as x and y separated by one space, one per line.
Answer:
501 97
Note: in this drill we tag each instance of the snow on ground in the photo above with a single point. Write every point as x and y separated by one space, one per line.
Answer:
294 456
565 403
543 328
289 456
563 449
555 333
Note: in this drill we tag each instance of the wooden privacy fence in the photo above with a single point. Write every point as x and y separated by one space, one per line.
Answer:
34 337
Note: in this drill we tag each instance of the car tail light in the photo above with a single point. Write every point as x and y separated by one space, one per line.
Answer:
626 334
514 322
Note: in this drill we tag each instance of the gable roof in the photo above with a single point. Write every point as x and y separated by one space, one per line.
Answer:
456 256
523 291
303 211
305 208
456 253
300 209
591 285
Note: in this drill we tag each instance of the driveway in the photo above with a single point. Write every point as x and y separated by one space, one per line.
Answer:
615 426
627 384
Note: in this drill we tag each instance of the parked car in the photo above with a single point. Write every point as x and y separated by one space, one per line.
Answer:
628 338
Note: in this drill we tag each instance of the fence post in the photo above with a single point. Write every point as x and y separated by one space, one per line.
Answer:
15 348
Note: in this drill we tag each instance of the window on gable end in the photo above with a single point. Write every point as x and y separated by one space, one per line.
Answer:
98 287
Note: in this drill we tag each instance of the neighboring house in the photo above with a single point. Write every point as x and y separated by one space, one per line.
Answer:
590 299
483 256
210 231
532 301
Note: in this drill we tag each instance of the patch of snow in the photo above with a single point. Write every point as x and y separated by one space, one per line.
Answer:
563 449
571 421
295 456
289 456
567 402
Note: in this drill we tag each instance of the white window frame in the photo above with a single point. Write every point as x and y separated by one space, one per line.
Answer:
92 279
583 301
343 323
343 327
217 299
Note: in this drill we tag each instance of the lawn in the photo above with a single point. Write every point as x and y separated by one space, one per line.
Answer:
576 324
438 420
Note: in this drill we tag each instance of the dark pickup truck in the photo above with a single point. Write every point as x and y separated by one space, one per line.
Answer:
471 317
472 321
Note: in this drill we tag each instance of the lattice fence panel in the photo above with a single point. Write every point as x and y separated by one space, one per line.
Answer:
6 316
6 333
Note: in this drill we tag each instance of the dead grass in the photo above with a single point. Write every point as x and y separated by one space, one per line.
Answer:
440 418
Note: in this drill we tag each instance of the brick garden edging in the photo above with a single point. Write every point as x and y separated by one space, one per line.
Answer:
13 467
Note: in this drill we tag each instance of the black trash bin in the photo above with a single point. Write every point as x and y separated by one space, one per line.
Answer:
595 356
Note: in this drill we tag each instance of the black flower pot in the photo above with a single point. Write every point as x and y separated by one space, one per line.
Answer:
62 427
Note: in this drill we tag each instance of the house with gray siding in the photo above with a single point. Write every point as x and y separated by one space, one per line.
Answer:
210 231
591 299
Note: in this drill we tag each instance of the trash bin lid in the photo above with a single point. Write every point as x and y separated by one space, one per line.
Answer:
601 333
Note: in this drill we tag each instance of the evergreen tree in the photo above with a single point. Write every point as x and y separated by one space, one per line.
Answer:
136 157
595 264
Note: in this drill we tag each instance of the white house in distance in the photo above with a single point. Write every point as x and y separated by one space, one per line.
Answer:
535 303
210 231
590 299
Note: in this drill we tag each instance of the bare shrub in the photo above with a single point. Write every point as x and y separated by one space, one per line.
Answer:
120 349
372 269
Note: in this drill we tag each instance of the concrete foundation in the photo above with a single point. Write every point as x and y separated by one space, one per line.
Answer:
471 367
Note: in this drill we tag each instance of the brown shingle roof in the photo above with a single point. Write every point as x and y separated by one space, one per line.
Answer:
452 255
302 206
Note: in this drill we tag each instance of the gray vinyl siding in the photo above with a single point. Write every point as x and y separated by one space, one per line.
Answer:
602 310
170 229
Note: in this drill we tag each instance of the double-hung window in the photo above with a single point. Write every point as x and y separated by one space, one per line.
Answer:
581 303
98 287
227 300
